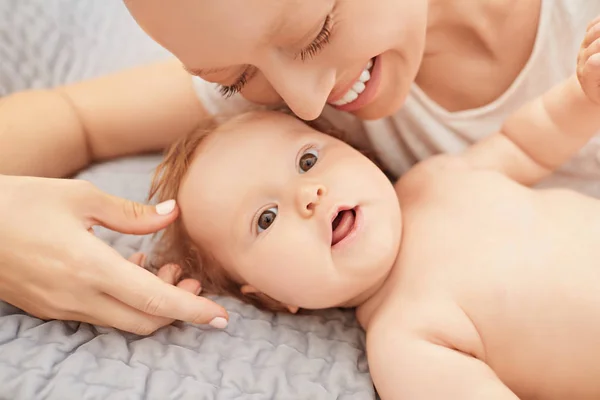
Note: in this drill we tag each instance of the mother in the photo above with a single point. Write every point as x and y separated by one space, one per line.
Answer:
419 76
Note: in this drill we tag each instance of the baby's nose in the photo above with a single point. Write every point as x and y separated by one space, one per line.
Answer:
309 197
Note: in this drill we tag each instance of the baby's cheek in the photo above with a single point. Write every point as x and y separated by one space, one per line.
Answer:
281 273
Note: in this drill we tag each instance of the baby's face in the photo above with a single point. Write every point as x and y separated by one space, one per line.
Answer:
299 215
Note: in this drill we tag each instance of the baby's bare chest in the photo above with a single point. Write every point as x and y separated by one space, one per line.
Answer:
525 271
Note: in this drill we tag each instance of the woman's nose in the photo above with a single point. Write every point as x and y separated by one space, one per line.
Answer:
305 88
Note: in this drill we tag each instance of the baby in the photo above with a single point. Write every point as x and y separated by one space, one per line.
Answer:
469 284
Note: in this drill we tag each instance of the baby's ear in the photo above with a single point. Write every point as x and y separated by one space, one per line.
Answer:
249 289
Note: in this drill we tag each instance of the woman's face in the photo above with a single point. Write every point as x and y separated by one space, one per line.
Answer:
358 55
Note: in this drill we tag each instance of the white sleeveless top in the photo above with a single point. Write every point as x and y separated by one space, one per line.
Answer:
422 128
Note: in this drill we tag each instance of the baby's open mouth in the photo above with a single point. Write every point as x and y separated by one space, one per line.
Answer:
342 225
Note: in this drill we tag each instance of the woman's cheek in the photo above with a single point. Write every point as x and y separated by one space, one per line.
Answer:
259 90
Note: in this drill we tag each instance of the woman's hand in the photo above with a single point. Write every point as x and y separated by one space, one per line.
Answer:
53 267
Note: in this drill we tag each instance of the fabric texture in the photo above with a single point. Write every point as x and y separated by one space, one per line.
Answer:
260 355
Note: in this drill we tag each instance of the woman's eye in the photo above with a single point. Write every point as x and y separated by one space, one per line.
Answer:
308 160
266 219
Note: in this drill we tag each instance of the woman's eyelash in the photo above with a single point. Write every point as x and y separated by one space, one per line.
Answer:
320 41
228 91
308 52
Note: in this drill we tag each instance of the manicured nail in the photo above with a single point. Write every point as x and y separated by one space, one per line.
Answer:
219 323
166 207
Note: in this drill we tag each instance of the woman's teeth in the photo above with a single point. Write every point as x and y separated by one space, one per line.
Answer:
358 87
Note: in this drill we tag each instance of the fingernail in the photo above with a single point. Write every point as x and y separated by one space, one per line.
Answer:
166 207
219 323
197 291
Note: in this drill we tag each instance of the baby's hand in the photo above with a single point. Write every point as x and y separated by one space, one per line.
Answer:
588 62
170 273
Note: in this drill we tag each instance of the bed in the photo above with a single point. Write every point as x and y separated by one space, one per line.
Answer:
317 355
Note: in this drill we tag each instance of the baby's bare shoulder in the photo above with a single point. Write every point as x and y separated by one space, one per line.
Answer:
402 339
426 317
436 173
439 165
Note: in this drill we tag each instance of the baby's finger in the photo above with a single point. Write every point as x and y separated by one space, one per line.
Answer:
589 75
592 49
147 293
138 259
190 285
169 273
592 33
594 22
593 64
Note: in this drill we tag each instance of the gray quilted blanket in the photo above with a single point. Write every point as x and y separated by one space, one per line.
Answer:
260 355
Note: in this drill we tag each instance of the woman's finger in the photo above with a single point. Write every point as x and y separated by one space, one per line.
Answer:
109 312
126 216
147 293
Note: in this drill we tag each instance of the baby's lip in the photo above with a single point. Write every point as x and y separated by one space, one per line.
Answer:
333 215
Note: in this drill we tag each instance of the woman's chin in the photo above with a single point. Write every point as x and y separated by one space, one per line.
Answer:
386 104
393 87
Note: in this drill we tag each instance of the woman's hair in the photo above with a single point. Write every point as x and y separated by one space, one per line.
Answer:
175 246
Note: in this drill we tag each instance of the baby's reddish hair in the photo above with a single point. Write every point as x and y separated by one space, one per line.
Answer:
175 246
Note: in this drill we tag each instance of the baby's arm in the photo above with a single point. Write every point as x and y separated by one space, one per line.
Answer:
405 367
56 132
548 131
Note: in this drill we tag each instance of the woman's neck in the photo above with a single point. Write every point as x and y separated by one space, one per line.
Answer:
473 23
469 42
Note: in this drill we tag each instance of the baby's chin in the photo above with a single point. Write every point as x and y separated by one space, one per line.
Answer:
346 295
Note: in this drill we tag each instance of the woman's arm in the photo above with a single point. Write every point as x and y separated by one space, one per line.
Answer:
54 133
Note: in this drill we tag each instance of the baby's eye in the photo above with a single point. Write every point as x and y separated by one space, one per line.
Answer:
308 160
266 219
